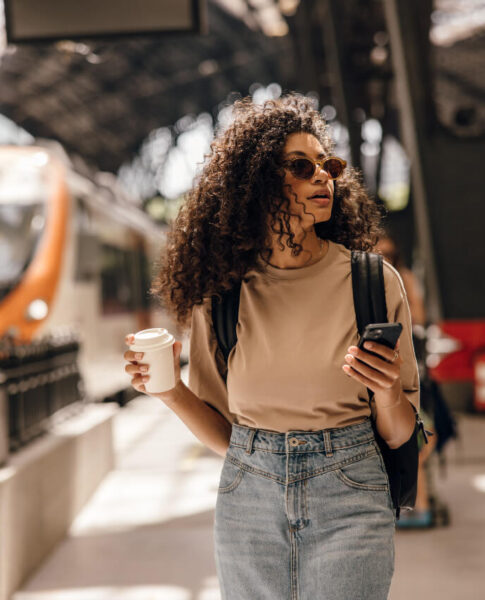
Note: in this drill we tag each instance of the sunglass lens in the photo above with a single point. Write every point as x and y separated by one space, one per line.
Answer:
333 167
302 168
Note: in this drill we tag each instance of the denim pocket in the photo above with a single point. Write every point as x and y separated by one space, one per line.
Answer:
364 474
231 477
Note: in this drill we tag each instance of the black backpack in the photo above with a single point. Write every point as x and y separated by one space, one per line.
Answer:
370 307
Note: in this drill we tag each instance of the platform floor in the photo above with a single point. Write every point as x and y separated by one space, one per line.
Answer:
146 534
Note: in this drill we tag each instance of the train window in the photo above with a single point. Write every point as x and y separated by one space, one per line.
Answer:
23 195
87 264
125 279
88 250
20 230
117 280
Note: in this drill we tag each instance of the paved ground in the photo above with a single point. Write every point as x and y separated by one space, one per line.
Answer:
147 532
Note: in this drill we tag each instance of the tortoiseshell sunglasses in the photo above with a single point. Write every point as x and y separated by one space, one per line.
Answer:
305 168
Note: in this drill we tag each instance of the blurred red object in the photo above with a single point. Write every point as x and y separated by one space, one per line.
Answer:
452 356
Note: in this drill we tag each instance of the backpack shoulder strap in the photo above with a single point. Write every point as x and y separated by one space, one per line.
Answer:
368 289
225 311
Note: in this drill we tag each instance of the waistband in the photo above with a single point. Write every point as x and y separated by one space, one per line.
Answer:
324 440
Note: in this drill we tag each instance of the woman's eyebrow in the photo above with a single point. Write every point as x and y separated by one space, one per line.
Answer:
299 153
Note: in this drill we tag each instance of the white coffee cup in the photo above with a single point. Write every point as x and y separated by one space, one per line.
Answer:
156 345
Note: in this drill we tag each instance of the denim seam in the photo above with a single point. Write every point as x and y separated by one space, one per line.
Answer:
305 500
303 451
360 486
294 566
303 476
249 469
249 445
339 465
234 484
327 442
383 467
287 511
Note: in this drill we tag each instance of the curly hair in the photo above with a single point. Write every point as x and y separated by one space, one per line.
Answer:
226 221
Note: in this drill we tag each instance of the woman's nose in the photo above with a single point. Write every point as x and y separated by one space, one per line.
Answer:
320 174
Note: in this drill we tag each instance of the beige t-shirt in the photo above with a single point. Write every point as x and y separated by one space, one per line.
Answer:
294 329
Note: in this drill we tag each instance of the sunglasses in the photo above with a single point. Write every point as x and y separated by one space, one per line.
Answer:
305 168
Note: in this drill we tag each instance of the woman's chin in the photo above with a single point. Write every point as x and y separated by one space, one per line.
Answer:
322 218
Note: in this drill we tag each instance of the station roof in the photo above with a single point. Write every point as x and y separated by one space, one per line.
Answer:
101 98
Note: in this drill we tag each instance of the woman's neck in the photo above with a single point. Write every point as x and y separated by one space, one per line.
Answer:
314 249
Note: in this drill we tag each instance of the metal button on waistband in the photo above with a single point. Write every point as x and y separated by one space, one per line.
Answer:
293 442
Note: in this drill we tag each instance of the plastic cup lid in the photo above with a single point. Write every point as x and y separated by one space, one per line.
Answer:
152 339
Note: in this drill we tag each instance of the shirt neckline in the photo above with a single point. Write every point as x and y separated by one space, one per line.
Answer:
299 272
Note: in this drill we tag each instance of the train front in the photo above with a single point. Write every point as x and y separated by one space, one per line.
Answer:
34 208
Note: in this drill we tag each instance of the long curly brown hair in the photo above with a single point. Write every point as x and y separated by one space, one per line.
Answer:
222 228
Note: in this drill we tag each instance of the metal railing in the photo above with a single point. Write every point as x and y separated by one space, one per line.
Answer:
37 380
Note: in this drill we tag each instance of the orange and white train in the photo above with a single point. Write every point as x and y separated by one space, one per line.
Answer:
75 254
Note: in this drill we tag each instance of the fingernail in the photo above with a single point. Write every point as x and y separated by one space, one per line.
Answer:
145 379
139 355
353 350
143 369
349 357
346 369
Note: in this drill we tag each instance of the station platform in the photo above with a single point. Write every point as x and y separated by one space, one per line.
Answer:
146 533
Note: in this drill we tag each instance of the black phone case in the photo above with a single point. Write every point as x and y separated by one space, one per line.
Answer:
386 334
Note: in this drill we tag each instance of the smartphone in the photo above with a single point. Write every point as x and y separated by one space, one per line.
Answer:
381 333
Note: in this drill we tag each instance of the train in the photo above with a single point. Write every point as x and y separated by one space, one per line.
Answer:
76 255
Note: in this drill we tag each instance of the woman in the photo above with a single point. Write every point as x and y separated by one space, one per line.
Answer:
303 509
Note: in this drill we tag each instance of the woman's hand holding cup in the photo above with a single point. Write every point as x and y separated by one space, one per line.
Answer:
153 362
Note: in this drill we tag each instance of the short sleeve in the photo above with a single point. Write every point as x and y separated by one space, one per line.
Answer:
398 311
206 363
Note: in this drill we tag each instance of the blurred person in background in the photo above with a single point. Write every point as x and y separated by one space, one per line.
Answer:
303 506
421 516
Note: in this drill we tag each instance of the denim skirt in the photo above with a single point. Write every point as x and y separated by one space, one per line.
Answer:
304 515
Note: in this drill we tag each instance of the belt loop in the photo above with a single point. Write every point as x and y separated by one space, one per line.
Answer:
328 443
249 445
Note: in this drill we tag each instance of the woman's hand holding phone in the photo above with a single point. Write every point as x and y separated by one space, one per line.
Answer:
376 365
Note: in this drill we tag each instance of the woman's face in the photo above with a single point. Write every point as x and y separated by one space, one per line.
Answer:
314 197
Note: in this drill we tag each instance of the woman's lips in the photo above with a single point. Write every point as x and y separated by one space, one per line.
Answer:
321 201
